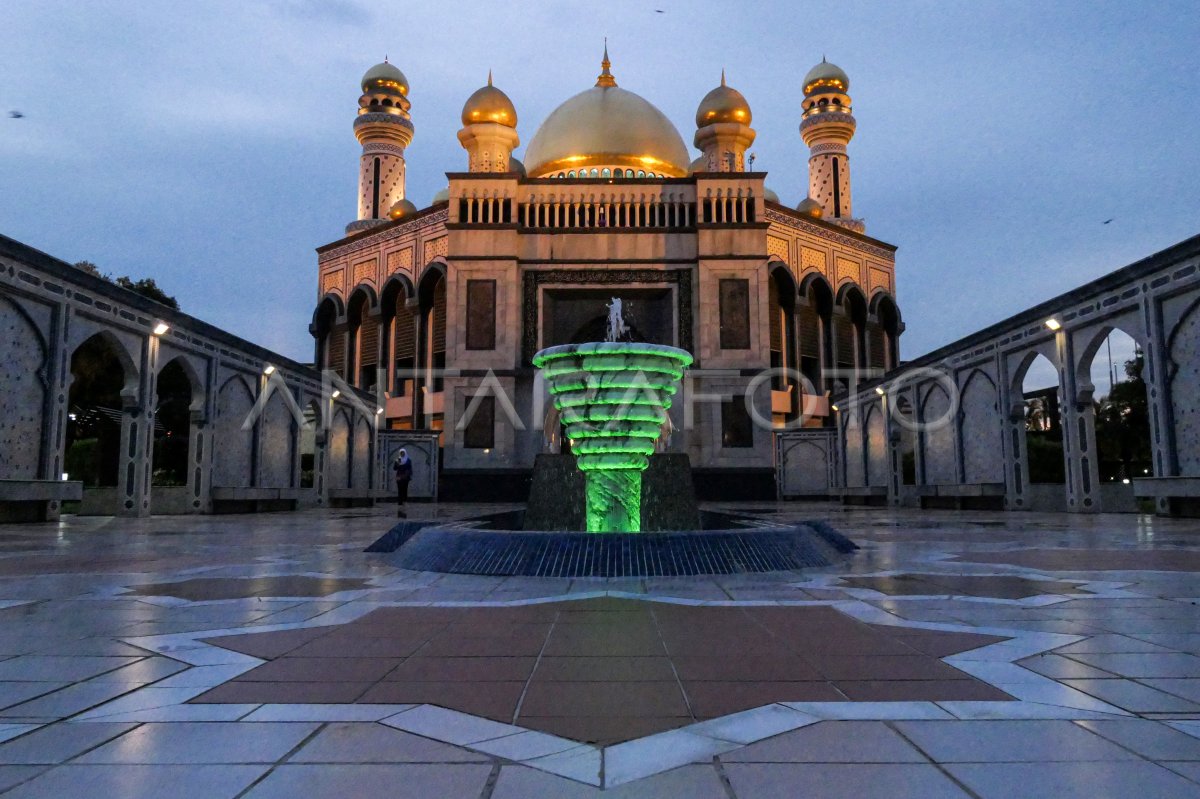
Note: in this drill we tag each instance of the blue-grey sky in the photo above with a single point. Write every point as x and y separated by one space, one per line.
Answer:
208 145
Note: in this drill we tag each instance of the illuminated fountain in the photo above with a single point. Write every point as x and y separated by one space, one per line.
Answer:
613 398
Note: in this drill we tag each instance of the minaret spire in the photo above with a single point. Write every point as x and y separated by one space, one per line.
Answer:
605 78
489 77
827 126
384 129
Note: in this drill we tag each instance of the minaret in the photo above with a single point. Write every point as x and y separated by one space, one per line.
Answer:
384 129
723 131
489 133
827 127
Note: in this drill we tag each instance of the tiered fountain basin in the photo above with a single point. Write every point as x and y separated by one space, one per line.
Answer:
613 398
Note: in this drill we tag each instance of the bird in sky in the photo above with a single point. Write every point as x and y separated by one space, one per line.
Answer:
1106 221
15 115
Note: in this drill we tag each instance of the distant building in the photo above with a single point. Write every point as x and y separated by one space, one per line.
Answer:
513 257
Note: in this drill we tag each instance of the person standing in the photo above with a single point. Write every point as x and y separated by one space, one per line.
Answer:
402 467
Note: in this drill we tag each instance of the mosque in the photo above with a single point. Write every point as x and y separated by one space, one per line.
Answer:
432 305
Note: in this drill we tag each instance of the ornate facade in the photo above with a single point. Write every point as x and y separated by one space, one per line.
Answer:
513 257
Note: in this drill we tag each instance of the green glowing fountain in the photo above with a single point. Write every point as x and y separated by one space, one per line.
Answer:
613 398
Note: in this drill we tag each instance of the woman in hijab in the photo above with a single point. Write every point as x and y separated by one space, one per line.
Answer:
403 470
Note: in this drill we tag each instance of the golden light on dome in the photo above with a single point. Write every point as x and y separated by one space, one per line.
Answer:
385 75
489 104
606 126
723 104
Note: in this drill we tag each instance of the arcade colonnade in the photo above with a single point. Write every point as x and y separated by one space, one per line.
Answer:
158 412
399 333
979 454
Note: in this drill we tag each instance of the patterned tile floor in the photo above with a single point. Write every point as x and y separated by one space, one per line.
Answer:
602 670
116 635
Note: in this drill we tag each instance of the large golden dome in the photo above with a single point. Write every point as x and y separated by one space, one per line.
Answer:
607 126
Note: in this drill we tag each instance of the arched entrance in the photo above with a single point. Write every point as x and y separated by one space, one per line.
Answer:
1041 462
781 324
179 399
814 321
1112 365
102 376
310 434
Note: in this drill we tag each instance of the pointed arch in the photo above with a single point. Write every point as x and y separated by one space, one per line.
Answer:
362 450
233 440
877 446
193 376
131 374
363 300
1087 354
338 446
937 435
433 271
278 431
981 429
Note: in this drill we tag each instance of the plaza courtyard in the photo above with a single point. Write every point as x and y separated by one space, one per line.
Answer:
956 654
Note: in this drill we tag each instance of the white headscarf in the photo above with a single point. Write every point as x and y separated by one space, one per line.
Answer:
403 456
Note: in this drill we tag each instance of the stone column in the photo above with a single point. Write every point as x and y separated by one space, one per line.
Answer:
1154 372
1012 438
1079 431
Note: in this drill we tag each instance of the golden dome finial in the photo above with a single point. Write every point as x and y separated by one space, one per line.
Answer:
489 104
605 78
722 76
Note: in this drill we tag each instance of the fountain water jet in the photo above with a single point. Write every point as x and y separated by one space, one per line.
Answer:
613 397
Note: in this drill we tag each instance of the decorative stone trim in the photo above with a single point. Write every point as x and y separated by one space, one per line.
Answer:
799 225
534 278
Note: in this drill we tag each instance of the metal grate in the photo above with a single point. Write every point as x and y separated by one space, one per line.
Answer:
463 550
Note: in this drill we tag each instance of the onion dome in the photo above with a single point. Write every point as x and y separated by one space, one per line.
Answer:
723 104
769 194
826 75
810 207
489 104
441 197
607 126
515 165
401 208
384 76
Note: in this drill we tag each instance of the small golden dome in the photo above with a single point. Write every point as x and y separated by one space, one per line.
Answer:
826 75
769 194
489 104
723 104
401 208
607 126
442 196
810 207
699 165
384 76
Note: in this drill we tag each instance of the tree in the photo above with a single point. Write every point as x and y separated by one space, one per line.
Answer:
90 268
1123 424
148 289
146 286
